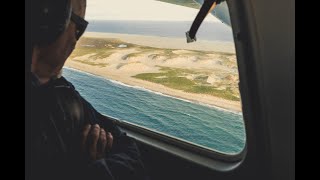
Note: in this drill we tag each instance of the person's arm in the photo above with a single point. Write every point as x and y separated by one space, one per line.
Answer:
92 116
123 161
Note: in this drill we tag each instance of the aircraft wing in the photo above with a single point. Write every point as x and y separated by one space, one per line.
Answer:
220 11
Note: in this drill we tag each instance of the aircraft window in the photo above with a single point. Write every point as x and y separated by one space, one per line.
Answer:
133 63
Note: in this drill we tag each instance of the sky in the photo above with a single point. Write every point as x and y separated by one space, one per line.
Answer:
140 10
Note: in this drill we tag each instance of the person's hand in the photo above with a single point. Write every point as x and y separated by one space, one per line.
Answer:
95 142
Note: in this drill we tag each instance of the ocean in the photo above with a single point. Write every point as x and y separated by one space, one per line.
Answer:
211 31
215 128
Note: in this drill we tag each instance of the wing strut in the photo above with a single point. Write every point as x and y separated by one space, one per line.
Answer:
208 5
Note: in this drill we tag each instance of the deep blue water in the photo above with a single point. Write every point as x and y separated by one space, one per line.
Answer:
212 31
207 126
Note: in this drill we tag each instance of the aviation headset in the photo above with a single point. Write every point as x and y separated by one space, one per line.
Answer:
50 19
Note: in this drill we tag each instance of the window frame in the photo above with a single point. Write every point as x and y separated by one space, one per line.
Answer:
196 153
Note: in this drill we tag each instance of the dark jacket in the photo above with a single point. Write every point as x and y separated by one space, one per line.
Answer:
58 115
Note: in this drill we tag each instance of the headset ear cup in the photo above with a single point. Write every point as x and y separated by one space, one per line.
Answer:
52 18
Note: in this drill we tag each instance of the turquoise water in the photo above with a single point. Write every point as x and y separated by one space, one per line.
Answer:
207 126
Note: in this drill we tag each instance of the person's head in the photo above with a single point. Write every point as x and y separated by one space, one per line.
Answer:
59 25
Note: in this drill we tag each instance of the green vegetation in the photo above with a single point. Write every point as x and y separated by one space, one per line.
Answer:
131 55
226 94
175 78
95 52
93 63
98 47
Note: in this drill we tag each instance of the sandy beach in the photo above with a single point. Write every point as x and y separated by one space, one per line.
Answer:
121 67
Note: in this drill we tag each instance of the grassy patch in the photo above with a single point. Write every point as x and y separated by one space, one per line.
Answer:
133 55
93 63
173 78
167 80
97 53
101 47
210 90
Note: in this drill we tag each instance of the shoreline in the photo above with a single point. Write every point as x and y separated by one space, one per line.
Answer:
207 100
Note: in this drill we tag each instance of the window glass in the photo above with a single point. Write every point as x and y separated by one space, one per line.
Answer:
133 63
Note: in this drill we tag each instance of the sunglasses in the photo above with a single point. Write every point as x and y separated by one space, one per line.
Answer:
81 24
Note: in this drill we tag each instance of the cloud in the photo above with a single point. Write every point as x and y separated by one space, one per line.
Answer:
139 10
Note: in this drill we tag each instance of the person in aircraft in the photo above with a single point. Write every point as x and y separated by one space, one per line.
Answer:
69 138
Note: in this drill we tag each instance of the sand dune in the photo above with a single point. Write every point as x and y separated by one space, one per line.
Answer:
124 63
136 68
